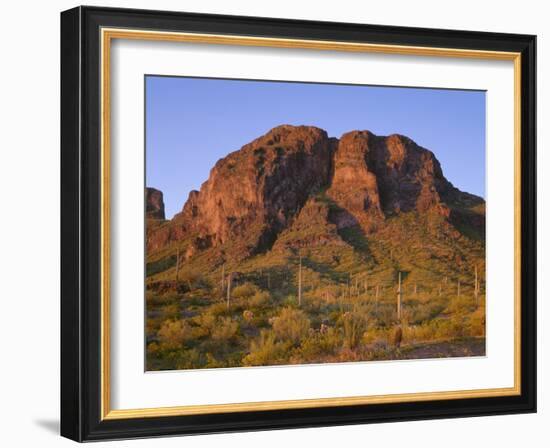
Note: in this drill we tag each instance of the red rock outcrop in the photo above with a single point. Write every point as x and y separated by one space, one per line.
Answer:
251 194
376 177
255 193
354 186
154 204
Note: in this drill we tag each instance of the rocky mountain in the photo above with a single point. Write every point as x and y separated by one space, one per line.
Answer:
296 187
294 250
154 204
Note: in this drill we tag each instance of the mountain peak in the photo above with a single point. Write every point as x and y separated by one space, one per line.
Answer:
255 193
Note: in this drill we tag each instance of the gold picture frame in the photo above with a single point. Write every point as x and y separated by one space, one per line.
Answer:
107 31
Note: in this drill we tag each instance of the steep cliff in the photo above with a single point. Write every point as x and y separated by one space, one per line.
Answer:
298 184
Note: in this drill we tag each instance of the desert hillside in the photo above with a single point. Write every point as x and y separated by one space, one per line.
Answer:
292 251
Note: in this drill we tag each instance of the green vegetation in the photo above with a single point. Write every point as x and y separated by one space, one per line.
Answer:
348 305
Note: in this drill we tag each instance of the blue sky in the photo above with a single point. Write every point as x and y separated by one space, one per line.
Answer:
192 122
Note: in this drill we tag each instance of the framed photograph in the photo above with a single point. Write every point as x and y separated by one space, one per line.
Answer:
273 223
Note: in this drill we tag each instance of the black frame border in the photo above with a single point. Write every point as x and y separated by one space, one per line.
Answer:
81 224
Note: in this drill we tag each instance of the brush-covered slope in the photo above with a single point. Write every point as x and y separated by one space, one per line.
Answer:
292 249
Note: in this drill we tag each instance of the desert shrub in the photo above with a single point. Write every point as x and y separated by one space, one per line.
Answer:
290 300
173 333
428 331
193 280
227 360
462 304
477 323
334 314
266 351
171 311
309 349
188 359
419 333
383 316
318 345
379 349
212 362
218 309
161 265
155 298
244 291
197 297
225 329
456 326
198 332
353 325
152 325
377 336
259 298
153 348
291 324
348 355
330 340
206 320
423 312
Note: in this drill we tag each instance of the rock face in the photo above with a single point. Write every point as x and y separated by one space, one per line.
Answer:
252 194
154 204
354 186
271 184
377 177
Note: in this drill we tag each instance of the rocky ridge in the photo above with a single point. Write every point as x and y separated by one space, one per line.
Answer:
298 178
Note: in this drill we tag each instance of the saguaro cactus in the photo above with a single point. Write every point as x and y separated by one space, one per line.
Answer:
476 287
399 296
178 264
300 282
228 289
